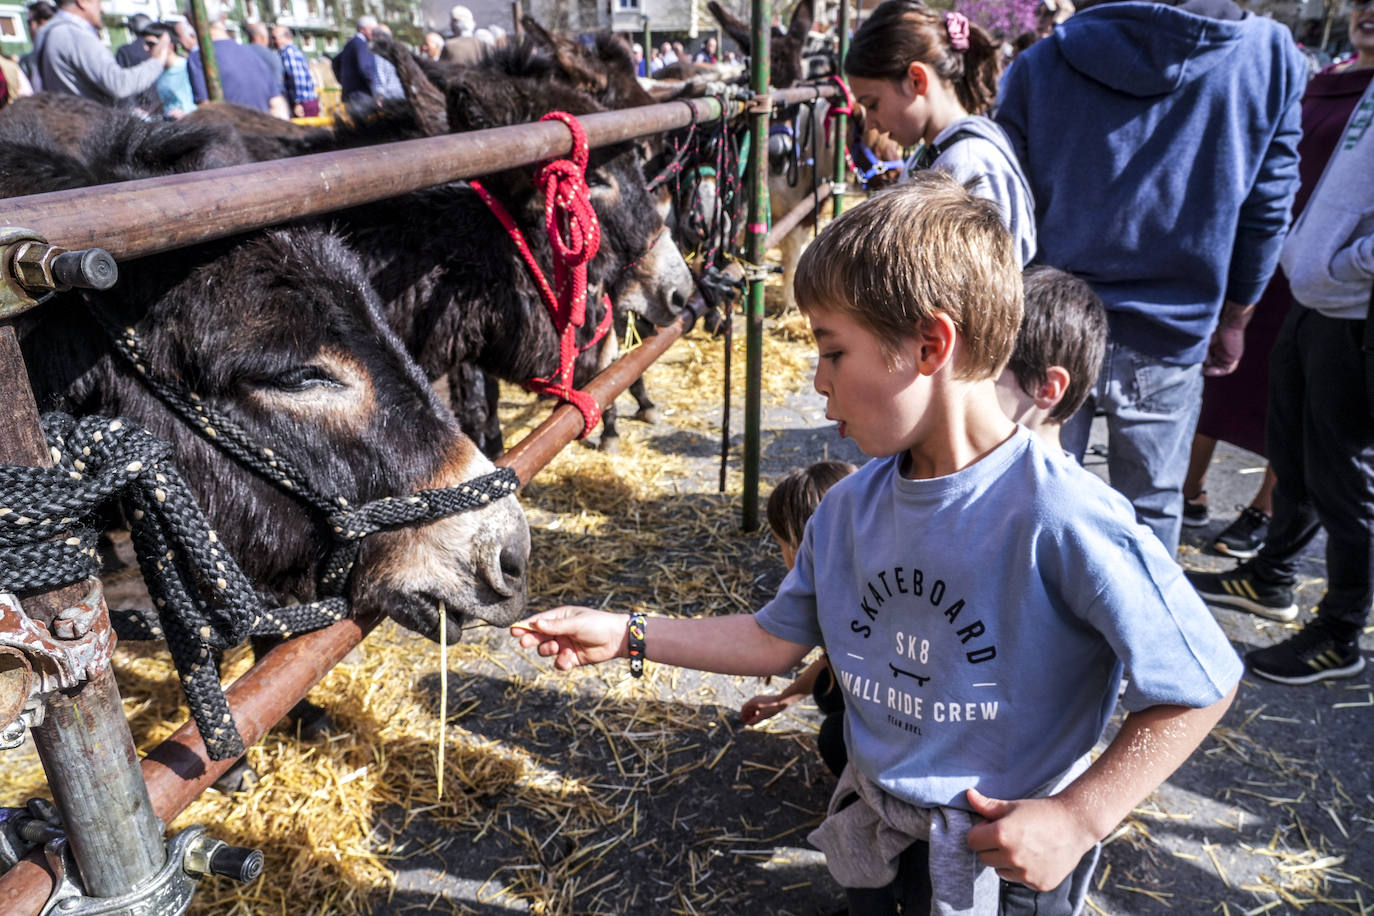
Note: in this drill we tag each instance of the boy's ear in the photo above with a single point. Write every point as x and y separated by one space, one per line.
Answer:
1051 391
934 343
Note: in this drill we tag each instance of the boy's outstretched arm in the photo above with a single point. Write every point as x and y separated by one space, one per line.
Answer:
733 644
1038 841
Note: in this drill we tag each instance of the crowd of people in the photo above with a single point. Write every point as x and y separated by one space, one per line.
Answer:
1100 231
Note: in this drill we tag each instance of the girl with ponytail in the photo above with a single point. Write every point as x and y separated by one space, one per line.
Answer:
929 77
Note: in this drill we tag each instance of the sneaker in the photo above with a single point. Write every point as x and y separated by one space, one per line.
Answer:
1195 513
1241 588
1244 537
1312 654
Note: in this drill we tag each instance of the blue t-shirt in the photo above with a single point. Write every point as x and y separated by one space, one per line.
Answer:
979 622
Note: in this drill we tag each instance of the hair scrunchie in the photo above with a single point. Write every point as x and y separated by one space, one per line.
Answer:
956 24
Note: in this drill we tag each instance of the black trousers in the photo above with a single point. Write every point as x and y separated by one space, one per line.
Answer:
1321 446
910 892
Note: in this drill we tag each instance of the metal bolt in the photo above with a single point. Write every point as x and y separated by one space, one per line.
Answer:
32 264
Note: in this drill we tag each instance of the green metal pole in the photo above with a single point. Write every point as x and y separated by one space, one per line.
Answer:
648 46
200 21
841 122
756 251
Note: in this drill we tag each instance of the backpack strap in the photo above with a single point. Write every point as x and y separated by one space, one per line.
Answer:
934 151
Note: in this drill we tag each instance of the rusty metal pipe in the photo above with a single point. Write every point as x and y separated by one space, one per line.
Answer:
231 200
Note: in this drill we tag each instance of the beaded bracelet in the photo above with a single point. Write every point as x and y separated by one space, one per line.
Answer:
636 629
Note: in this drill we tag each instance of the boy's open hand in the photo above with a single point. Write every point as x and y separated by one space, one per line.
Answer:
574 636
1033 841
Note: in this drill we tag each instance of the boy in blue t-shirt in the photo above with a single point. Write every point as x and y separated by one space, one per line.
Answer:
978 595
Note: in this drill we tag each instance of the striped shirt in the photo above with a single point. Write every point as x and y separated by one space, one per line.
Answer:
300 84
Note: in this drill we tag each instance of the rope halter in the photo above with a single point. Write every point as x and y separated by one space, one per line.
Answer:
575 236
347 525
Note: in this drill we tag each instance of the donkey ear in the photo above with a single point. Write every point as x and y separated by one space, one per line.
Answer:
736 29
537 33
802 17
579 71
425 98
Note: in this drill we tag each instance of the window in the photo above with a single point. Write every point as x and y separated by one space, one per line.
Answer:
10 28
628 4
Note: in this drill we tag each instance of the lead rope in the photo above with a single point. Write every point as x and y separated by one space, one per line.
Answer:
204 602
575 235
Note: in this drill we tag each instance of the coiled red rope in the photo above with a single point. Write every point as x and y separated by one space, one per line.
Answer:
575 235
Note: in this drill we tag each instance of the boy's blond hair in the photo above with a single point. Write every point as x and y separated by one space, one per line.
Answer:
906 255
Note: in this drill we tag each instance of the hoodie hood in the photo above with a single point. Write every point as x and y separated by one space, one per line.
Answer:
1147 49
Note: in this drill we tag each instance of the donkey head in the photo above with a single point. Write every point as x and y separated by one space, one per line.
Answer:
638 266
785 54
279 333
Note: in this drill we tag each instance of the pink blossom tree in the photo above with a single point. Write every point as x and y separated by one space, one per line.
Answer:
1007 18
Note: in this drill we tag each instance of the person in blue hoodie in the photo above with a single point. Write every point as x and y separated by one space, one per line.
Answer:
1160 143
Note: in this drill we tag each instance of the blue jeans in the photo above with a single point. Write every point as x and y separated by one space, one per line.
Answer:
1152 408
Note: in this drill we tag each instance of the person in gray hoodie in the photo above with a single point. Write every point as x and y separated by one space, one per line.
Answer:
1319 431
72 59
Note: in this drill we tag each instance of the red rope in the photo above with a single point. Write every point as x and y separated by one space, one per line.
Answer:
835 111
575 235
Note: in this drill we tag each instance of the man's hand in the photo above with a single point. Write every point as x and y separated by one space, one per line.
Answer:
163 51
1228 340
574 636
1032 841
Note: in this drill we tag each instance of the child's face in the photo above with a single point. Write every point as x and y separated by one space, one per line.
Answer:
893 106
877 400
789 551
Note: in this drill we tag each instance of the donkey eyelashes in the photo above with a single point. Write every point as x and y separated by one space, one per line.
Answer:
303 378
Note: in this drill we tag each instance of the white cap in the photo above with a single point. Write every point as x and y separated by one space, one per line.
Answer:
460 17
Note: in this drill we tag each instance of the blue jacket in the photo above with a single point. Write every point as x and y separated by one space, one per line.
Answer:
1161 148
355 67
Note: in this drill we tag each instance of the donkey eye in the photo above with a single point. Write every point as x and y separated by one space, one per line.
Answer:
303 378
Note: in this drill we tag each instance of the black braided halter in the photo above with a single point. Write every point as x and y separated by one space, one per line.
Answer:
204 601
347 525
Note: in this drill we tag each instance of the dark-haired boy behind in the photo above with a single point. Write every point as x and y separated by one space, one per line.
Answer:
790 506
979 596
1058 352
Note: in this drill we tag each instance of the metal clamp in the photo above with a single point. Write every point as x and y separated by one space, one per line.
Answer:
31 269
36 660
191 855
840 188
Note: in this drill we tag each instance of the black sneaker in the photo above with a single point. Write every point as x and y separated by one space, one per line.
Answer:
1312 654
1195 513
1244 537
1241 588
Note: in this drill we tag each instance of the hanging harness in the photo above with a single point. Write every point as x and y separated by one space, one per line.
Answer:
575 235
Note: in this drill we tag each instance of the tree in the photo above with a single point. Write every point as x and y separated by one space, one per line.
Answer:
1007 18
